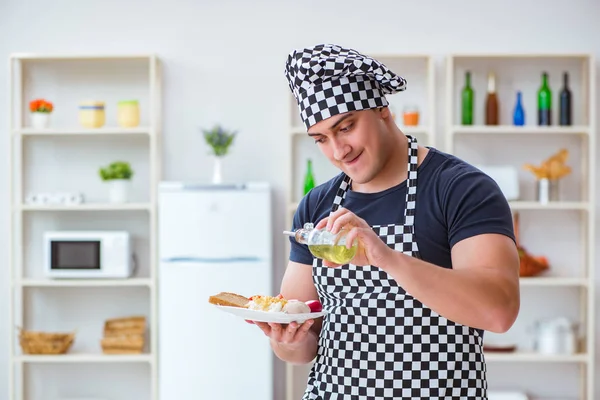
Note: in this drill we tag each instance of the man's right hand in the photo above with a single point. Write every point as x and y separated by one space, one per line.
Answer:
291 336
295 343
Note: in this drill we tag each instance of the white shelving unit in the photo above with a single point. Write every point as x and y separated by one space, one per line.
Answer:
564 230
419 71
66 158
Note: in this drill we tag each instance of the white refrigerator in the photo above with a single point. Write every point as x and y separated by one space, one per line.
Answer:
212 238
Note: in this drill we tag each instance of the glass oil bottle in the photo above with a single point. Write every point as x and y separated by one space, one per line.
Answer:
324 244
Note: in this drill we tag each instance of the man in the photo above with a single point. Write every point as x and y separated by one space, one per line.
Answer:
437 263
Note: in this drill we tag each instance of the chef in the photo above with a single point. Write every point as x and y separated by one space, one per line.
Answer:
437 263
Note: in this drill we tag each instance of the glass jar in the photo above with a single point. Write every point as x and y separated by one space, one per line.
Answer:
92 114
324 244
128 113
411 115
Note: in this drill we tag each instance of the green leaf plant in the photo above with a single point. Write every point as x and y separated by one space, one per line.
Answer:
116 170
219 139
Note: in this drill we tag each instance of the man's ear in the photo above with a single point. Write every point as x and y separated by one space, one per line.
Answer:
385 112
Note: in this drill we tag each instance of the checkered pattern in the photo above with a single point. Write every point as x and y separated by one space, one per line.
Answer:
378 342
327 80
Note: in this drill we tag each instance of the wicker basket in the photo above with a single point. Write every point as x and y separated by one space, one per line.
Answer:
33 342
529 265
124 335
127 325
126 344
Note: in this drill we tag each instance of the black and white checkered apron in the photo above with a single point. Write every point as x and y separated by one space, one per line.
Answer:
377 341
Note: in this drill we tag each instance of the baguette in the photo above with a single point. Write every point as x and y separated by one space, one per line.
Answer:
229 299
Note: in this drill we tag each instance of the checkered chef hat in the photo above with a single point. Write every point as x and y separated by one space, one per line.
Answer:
328 79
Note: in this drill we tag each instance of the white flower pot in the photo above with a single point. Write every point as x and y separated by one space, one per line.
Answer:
119 190
217 177
40 120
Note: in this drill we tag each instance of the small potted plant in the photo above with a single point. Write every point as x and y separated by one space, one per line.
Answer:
219 140
118 175
40 113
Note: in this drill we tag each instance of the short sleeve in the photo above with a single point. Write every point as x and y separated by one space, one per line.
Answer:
299 252
474 205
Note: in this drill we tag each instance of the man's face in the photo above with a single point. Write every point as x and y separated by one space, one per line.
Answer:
355 142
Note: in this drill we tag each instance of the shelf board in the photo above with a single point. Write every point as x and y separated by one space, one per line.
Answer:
88 207
85 358
520 130
557 205
535 357
553 281
523 56
408 130
79 57
131 282
117 131
414 130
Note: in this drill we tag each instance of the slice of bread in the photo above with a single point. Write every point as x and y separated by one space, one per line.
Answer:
228 299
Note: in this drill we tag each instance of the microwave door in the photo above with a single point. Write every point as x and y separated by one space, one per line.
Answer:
75 254
70 258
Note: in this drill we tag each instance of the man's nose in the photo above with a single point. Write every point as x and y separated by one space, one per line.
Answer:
340 150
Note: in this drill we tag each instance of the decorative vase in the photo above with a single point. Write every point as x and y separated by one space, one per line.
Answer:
217 177
40 120
547 190
119 190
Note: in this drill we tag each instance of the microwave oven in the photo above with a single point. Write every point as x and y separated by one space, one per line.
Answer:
88 254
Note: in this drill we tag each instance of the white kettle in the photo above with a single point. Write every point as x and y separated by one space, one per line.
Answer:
555 336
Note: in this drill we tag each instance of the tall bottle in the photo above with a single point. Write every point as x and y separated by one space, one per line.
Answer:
309 178
519 111
491 101
544 102
565 113
467 99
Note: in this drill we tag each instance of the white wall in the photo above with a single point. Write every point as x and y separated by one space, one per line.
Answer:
224 62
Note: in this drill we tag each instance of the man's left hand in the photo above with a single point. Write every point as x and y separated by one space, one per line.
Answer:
371 249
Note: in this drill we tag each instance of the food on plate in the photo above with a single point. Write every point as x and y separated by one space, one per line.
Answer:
266 303
296 307
229 299
314 305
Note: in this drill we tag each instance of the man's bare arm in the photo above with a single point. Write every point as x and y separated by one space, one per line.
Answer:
482 289
294 343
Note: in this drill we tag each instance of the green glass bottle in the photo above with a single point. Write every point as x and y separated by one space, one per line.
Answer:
544 102
309 178
565 103
467 101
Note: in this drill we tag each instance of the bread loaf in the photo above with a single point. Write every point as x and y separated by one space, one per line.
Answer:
229 299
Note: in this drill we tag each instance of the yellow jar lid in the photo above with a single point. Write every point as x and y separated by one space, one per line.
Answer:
127 102
91 104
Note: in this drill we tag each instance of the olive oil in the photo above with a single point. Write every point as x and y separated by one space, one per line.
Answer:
338 254
325 245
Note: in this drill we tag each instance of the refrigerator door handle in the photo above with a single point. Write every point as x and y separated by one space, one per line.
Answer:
206 260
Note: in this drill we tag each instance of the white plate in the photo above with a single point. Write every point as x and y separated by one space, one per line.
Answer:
264 316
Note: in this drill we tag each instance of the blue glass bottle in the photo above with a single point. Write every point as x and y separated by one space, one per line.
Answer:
519 112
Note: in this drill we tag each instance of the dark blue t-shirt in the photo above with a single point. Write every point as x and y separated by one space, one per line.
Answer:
454 201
